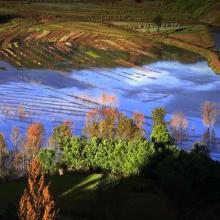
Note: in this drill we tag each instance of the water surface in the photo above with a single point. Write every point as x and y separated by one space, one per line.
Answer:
52 96
178 81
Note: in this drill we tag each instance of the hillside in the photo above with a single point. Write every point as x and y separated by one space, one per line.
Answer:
207 11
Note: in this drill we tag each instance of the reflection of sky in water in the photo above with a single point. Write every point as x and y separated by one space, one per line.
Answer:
57 96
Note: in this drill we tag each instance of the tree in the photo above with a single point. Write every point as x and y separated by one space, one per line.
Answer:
126 157
161 136
158 21
16 140
60 132
47 159
33 141
15 137
127 129
158 116
179 125
3 156
138 119
209 114
101 122
36 202
200 148
107 122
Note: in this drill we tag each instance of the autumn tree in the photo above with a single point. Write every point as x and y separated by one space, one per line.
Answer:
36 202
107 122
33 141
179 125
108 100
127 129
138 119
100 122
59 133
3 156
209 114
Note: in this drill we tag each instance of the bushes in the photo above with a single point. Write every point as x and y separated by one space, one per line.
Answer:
115 156
161 136
47 158
74 150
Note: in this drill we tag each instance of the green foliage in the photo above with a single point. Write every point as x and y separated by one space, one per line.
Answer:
158 116
115 156
74 150
160 135
60 132
47 158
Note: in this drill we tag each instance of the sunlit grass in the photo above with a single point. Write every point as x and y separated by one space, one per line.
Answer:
66 189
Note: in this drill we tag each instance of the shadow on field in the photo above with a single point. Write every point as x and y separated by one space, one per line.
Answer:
7 18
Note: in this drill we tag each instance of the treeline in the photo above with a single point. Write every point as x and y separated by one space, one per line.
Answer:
110 141
116 146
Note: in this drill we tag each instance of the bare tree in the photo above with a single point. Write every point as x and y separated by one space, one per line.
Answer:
209 114
179 125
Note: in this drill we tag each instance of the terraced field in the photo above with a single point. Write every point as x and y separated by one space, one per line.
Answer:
50 47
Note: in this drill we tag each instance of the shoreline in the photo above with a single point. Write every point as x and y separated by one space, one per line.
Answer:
210 56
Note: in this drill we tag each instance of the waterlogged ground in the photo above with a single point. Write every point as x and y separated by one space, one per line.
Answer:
50 96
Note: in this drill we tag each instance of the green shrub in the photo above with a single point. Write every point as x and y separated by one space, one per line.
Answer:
47 158
115 156
160 135
74 150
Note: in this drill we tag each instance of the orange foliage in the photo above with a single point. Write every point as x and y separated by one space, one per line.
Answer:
108 100
36 202
34 138
209 113
138 119
179 121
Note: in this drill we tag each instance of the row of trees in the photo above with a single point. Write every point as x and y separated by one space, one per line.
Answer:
103 123
124 157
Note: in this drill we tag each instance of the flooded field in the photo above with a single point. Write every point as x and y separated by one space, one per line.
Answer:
50 96
52 82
